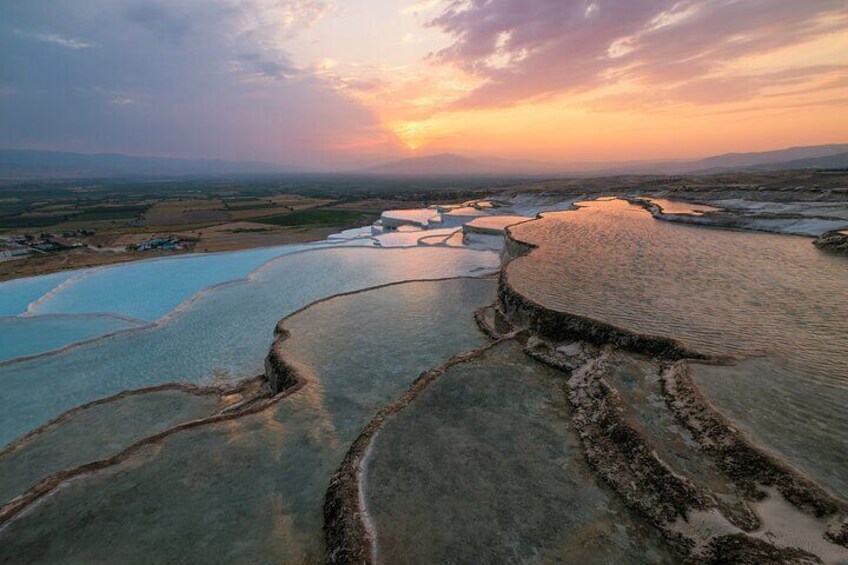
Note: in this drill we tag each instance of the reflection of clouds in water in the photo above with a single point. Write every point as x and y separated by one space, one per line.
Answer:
771 299
680 207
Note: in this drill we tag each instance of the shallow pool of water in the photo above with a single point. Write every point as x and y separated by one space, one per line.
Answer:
24 336
722 292
148 290
223 336
494 224
484 466
773 404
680 207
16 295
251 490
97 432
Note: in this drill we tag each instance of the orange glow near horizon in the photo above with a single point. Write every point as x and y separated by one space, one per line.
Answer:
770 97
333 85
556 132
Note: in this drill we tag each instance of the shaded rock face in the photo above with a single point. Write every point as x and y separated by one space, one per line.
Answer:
746 465
835 241
514 247
279 373
689 515
563 326
744 550
621 456
839 534
492 322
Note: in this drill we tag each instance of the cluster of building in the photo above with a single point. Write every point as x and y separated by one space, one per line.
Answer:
20 245
161 243
28 244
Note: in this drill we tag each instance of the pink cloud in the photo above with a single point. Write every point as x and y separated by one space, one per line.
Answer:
529 50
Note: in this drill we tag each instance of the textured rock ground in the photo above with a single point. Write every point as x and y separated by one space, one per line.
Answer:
624 458
836 241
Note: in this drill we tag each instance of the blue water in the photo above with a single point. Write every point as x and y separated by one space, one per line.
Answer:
16 295
251 490
144 290
33 335
224 335
148 290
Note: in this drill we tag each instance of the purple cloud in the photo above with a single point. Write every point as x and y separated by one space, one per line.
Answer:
196 78
529 50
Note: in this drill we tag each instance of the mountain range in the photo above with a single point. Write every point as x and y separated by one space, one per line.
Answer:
808 157
25 163
21 164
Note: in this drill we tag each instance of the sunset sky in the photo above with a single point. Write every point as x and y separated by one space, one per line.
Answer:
337 84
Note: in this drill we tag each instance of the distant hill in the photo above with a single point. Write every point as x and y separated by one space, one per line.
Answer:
839 161
815 156
23 163
818 156
443 164
457 165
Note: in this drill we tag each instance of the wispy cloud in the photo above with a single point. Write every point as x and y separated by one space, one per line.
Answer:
295 80
56 39
192 78
421 6
529 50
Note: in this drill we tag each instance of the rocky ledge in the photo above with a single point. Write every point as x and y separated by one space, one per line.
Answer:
747 466
348 537
280 374
836 241
691 518
557 325
740 549
689 515
623 458
492 322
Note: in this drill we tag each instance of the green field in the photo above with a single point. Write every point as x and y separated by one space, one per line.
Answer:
96 213
13 222
320 217
105 203
110 213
